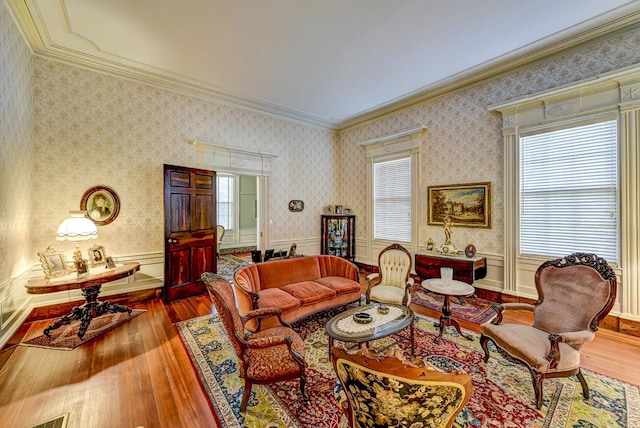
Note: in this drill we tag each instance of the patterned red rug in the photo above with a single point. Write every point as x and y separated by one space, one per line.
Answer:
502 391
472 309
66 337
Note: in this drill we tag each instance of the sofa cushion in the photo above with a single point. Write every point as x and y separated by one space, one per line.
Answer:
276 297
339 284
277 273
309 291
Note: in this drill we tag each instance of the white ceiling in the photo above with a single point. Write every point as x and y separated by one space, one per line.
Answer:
327 62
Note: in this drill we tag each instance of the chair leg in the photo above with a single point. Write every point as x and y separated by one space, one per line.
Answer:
583 382
303 382
483 342
537 379
245 396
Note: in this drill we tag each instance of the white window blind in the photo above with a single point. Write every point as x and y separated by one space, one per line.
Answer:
569 192
392 200
225 197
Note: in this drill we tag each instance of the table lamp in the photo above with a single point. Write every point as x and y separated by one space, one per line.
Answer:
77 228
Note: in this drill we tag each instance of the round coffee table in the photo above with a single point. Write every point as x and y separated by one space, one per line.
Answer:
342 327
455 289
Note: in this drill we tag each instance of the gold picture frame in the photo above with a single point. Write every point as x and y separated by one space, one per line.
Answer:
54 263
468 205
97 255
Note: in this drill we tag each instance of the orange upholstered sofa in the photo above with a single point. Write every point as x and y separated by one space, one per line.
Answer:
300 286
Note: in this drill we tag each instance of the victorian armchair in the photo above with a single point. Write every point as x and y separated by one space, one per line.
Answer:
575 293
392 284
266 356
392 392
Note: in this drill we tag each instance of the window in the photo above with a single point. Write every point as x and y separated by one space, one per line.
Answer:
225 195
392 200
569 192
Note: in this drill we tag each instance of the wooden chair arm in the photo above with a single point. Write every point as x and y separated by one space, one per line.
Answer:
371 277
501 307
262 313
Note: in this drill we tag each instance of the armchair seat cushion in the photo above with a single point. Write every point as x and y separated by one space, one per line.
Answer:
264 362
277 298
309 291
388 294
531 345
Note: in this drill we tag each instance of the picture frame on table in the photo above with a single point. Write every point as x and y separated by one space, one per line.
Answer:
101 204
467 205
338 210
97 255
54 262
110 263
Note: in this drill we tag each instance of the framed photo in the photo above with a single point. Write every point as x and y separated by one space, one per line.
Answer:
347 211
97 255
467 205
470 251
54 263
296 205
338 209
101 204
430 245
110 263
81 267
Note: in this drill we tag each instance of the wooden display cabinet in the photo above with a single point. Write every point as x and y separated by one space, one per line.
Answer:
339 236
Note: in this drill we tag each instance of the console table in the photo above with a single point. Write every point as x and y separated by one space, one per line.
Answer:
90 286
465 269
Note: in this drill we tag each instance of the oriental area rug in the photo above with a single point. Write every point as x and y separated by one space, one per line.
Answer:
472 309
228 264
502 391
66 336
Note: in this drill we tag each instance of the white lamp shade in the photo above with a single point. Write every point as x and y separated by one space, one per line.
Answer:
77 228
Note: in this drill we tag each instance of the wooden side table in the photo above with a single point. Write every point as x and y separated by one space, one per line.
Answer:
456 289
90 286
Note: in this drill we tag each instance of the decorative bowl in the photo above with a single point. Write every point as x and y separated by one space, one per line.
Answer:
383 309
362 318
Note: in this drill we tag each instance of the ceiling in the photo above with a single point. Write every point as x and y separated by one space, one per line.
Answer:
332 63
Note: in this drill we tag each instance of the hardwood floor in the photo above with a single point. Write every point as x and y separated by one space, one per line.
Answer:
139 374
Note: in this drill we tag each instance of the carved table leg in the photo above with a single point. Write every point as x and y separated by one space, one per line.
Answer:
446 320
91 309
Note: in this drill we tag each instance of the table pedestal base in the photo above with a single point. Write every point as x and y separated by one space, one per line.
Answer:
446 320
91 309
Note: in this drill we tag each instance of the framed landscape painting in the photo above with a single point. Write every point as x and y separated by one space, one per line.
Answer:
468 205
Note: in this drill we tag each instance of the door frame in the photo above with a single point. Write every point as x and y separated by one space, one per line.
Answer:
243 162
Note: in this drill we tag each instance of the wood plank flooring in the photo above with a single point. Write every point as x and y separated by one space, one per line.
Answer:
139 374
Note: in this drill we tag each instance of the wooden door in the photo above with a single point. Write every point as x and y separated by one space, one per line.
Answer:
189 230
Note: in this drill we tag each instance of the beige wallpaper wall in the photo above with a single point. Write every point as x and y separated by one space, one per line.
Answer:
16 150
93 129
464 141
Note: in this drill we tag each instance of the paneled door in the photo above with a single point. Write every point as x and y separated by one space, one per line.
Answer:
189 230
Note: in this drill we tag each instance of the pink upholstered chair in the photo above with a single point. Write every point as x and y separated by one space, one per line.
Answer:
266 356
392 283
575 293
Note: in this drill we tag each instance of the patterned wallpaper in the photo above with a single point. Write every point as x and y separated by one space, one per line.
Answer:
94 129
464 141
89 129
16 149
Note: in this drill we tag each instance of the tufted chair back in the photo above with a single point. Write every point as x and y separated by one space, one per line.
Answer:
391 284
219 236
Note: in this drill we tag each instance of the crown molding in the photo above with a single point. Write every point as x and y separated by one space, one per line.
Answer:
30 25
